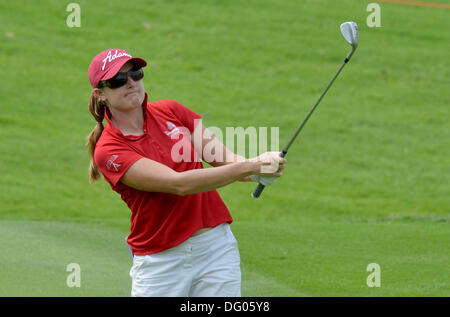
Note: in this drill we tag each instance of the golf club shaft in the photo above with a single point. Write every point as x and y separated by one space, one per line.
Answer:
259 189
314 107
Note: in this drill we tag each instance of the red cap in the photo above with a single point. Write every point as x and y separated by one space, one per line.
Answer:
107 64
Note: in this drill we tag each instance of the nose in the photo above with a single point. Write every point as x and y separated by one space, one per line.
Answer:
130 81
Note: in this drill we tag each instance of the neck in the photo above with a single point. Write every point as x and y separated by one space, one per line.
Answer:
129 122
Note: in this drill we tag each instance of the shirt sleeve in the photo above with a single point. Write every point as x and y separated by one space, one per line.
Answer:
114 159
189 118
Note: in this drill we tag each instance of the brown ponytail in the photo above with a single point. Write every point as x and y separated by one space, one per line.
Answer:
97 110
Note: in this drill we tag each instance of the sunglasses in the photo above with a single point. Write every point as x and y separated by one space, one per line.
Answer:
121 78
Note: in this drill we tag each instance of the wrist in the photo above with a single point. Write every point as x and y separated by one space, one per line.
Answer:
246 179
245 167
254 165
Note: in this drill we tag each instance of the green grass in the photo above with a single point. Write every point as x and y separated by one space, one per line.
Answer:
367 181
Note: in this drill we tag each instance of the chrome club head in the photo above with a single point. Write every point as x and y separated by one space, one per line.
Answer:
350 32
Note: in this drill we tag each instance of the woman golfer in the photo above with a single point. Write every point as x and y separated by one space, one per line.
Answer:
180 234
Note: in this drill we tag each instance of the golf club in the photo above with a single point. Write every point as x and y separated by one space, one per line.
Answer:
350 32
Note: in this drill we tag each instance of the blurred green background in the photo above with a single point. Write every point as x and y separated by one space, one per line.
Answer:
367 181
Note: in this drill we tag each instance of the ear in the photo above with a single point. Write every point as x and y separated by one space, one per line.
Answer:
99 93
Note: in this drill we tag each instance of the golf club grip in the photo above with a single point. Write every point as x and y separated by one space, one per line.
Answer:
258 190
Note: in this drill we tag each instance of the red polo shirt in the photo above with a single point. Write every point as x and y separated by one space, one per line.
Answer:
159 221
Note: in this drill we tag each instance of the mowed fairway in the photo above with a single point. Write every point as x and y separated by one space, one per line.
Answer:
368 180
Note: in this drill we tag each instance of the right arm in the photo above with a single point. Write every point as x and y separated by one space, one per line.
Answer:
148 175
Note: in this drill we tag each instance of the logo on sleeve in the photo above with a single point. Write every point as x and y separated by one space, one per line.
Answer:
111 163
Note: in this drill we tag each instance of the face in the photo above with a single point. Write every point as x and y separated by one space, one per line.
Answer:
124 98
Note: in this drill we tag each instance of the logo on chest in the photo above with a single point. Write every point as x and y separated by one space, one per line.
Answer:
172 130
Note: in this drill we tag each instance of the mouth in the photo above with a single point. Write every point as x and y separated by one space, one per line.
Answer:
130 93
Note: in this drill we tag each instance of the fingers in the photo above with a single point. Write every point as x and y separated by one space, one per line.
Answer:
282 164
269 157
272 163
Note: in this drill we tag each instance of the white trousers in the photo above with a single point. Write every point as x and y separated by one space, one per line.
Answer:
206 265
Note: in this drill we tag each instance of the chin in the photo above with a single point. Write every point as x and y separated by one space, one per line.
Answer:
135 99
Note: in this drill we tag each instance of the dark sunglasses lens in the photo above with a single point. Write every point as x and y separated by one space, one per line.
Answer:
119 80
136 74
